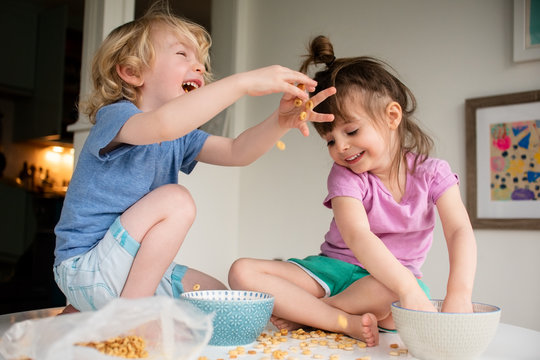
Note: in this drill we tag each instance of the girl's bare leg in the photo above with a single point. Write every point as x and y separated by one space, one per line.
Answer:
354 300
159 222
297 298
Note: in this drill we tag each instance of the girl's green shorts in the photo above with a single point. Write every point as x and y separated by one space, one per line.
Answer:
335 275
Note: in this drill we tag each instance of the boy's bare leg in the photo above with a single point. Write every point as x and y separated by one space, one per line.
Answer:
297 297
159 222
193 277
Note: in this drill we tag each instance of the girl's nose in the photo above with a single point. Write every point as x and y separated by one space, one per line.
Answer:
343 146
198 68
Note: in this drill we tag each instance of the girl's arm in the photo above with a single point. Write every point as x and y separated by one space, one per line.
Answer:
461 251
188 111
257 140
352 222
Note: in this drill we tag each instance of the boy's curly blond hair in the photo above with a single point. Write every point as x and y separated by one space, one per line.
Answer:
129 44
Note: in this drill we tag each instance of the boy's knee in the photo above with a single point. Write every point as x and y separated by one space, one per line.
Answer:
178 200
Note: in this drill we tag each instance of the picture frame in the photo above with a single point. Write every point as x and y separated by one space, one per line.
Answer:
503 161
526 30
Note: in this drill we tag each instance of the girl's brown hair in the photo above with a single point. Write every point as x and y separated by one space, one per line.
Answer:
129 44
372 82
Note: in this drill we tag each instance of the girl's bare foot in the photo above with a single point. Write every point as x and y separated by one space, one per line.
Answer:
284 324
365 329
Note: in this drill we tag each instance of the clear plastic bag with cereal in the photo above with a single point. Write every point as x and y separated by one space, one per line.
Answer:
155 327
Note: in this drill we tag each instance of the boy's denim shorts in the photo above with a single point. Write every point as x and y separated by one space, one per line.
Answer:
92 279
335 275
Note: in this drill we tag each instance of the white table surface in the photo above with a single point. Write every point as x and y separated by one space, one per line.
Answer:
510 343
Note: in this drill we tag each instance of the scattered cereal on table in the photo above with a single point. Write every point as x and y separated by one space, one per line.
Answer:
394 353
394 346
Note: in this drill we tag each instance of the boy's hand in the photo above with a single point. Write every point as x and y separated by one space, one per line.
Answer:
292 116
275 79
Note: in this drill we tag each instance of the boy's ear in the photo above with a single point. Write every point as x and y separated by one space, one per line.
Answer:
129 75
393 114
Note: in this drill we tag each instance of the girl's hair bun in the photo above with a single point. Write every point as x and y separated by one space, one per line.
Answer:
321 51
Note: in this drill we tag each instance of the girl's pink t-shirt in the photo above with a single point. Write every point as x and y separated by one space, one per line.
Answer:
406 228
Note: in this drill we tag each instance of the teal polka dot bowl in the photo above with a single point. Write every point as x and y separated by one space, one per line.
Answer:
239 316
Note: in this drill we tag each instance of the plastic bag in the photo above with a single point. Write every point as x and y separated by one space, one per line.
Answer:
171 328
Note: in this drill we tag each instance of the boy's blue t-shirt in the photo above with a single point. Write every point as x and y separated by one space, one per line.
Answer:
104 186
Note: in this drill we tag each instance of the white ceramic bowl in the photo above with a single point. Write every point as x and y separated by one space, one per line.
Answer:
430 335
240 316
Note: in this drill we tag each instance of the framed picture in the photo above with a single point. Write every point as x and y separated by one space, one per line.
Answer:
526 30
503 161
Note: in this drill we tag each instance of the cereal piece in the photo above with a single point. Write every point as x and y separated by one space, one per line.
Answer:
362 345
280 145
251 352
394 346
318 356
202 358
298 102
279 354
403 351
306 352
301 86
394 353
342 320
334 357
309 105
284 332
303 115
196 287
364 358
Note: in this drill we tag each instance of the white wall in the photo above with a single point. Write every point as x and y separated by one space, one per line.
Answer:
445 51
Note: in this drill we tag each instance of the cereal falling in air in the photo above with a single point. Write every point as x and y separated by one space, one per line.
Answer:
342 320
280 145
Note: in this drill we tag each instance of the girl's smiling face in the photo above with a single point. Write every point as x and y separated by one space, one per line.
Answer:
359 142
174 70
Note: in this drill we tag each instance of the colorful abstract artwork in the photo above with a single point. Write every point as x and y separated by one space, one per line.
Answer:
515 161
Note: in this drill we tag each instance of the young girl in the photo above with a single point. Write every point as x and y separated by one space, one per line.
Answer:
125 215
383 190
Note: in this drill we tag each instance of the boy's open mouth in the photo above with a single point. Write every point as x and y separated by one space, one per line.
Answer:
189 86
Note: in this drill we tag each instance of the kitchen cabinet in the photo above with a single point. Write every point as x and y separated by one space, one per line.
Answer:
17 221
40 115
18 33
27 241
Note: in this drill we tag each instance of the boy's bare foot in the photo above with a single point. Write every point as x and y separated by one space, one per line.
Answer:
284 324
68 310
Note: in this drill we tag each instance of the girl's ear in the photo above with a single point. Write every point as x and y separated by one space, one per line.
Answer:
393 115
129 75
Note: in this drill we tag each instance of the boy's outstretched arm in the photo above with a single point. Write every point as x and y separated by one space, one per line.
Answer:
257 140
186 112
461 251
